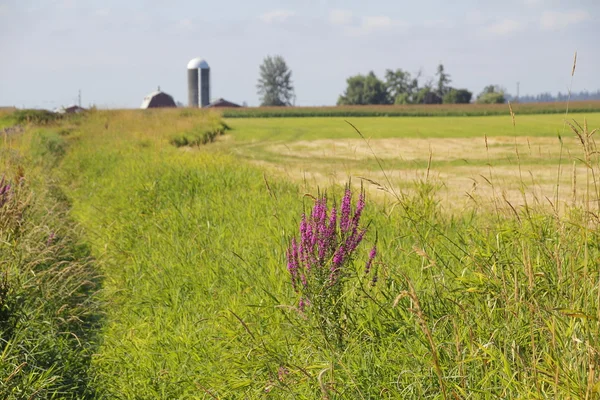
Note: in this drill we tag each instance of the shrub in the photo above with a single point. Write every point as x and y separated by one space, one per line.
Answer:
199 136
491 98
37 117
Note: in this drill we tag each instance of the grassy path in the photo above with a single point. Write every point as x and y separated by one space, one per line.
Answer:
188 239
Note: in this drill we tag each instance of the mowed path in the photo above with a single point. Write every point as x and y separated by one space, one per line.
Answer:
469 159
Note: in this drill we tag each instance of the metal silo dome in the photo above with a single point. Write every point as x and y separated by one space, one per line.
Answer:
198 63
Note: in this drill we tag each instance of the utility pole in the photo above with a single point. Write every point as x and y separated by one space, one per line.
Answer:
79 98
518 83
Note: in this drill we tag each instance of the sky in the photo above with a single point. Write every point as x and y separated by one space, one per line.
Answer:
117 51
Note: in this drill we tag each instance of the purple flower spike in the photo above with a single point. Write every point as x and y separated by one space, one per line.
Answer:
346 209
50 238
338 257
319 213
372 255
305 233
301 304
359 208
332 222
355 239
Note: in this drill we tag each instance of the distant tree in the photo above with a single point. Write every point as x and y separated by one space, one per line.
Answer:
275 82
401 87
404 98
443 81
427 96
491 94
457 96
583 95
363 89
544 97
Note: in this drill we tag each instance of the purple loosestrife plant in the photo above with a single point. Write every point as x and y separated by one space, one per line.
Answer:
320 259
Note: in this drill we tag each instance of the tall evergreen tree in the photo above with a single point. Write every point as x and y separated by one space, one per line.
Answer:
275 82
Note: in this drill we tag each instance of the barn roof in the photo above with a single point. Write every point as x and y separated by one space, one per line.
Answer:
222 103
158 99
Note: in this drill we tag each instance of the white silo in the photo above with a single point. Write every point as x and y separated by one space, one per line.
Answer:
193 67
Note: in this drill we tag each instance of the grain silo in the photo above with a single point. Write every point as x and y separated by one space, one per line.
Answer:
193 67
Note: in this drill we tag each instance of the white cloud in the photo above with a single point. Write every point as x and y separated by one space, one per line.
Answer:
186 24
277 16
504 27
475 17
554 20
373 24
440 23
103 12
67 4
340 17
376 22
364 26
533 2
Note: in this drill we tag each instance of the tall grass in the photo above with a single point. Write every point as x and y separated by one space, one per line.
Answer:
48 313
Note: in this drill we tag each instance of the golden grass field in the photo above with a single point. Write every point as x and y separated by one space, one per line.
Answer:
485 162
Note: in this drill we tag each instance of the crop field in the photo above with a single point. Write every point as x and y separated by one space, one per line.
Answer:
184 254
471 159
413 110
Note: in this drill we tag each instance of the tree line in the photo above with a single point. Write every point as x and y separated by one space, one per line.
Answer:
401 87
547 97
275 88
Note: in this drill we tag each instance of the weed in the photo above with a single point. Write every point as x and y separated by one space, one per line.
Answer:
320 262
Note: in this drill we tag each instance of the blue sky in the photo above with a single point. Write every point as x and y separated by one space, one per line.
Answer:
117 51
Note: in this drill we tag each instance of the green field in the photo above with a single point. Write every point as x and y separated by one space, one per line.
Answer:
497 297
413 110
288 129
466 156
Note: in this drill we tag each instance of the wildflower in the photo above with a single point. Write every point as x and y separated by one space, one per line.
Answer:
51 238
282 372
346 209
338 258
326 244
372 255
302 304
359 208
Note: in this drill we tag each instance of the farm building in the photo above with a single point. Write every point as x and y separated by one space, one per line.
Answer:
223 104
158 99
72 109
